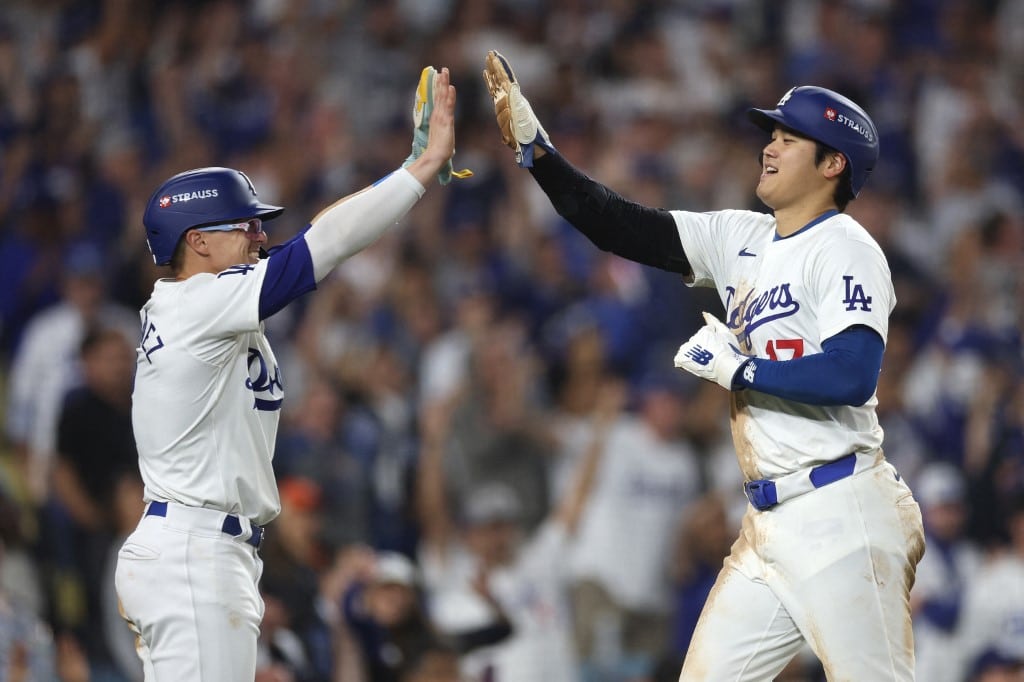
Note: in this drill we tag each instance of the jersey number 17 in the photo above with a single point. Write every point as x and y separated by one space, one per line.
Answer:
794 348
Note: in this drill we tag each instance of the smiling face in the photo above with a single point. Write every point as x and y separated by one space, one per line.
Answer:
790 174
788 170
214 249
233 248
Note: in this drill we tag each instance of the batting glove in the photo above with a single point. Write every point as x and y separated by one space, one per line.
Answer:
711 355
423 104
519 126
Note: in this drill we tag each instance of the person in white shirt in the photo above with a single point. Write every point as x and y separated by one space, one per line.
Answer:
481 564
807 294
992 616
621 556
45 366
944 574
208 393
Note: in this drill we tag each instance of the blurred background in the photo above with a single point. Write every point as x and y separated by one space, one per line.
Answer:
489 468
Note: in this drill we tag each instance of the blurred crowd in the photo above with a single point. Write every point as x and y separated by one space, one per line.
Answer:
488 466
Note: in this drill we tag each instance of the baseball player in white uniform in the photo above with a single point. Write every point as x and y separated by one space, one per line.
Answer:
208 393
829 545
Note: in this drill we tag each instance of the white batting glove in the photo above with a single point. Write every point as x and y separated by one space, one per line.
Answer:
423 105
711 354
519 126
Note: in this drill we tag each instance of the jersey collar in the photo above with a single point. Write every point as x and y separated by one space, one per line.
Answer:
820 219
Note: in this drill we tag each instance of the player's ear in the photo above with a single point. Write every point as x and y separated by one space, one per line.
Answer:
833 164
195 240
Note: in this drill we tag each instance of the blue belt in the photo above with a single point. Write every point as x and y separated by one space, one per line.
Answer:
764 494
232 526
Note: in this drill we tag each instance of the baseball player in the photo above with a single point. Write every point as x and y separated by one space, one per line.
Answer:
831 539
208 393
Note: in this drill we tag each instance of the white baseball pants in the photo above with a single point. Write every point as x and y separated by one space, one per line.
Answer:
190 593
834 568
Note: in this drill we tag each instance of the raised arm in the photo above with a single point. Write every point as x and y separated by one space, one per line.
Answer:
615 224
432 505
610 401
356 221
640 233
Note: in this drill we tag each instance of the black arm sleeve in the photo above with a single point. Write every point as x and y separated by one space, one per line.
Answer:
639 233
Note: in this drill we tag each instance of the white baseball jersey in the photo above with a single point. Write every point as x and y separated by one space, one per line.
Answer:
802 571
208 394
937 652
531 591
783 298
992 615
643 483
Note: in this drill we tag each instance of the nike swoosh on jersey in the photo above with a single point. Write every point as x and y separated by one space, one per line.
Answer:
744 252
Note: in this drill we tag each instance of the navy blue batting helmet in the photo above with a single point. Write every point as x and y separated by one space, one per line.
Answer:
827 117
199 197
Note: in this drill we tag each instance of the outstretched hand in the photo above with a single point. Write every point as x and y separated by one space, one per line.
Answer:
519 126
441 138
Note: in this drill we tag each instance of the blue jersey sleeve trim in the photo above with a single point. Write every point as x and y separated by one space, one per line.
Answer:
845 373
289 275
268 405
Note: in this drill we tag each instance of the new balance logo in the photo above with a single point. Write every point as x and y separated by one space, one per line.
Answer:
700 355
744 252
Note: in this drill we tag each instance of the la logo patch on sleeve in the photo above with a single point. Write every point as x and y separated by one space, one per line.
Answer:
855 295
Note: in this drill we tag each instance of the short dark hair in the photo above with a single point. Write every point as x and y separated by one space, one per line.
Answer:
843 194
